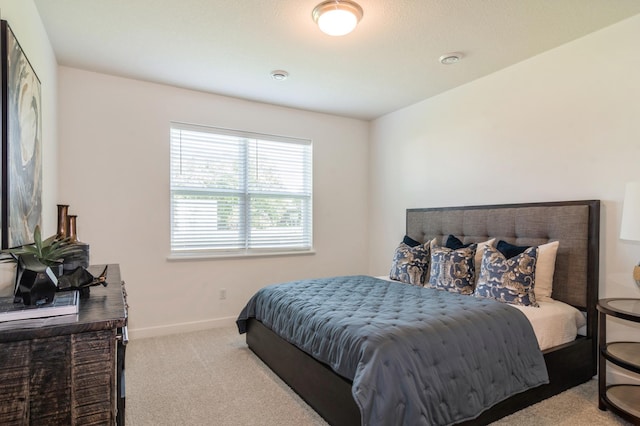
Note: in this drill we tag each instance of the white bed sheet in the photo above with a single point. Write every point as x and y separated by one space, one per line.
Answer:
554 323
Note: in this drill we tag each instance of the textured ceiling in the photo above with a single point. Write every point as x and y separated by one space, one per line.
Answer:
390 61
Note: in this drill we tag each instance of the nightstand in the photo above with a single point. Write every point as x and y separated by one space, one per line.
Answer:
623 399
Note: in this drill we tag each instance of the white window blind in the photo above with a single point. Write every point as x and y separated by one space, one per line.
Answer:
239 192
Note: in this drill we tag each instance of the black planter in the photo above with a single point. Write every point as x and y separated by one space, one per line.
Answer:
36 284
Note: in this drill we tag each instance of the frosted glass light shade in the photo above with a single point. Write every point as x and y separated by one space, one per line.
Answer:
337 17
630 227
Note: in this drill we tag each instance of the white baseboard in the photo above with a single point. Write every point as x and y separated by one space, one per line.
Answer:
185 327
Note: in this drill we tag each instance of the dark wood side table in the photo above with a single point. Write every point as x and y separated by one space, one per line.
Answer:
623 399
67 370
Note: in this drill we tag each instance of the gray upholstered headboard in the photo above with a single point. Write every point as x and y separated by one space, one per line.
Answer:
576 224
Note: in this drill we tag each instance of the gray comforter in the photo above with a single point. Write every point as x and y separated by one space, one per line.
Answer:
416 356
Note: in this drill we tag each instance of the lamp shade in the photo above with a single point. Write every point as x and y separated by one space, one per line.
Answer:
630 227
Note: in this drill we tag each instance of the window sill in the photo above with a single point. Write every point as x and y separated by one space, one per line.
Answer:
221 256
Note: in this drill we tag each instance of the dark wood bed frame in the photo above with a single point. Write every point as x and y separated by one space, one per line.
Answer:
568 365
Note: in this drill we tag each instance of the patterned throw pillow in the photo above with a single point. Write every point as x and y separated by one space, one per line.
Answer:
508 280
410 264
454 242
453 270
545 265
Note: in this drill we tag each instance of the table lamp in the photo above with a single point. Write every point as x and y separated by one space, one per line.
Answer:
630 227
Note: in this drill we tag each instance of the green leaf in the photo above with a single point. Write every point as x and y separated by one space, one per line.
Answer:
49 252
37 236
49 241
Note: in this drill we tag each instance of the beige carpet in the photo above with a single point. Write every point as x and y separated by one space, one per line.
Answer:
211 378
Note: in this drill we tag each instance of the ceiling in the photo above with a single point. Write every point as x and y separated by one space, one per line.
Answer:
390 61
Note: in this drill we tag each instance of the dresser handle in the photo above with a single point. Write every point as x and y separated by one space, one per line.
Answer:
123 335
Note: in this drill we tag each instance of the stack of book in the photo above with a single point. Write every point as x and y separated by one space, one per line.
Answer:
17 315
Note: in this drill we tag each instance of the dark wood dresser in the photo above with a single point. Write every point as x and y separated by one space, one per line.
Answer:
68 370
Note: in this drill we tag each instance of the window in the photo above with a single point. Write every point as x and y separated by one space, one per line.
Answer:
236 192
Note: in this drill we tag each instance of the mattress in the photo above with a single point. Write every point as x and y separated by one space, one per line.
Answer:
554 322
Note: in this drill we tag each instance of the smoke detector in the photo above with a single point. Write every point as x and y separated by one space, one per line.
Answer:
279 75
450 58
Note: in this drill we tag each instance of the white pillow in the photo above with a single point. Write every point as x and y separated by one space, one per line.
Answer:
545 267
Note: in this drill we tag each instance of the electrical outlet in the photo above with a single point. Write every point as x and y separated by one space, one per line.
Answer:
223 293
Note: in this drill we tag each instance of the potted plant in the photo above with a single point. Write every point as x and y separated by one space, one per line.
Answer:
50 252
39 265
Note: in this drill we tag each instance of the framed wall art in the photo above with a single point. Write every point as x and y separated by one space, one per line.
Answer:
21 143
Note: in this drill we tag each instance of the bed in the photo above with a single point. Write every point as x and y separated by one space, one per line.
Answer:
574 224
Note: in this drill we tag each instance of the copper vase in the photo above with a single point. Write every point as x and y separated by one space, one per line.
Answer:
63 212
72 233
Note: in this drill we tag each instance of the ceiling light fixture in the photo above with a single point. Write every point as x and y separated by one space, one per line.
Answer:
279 75
450 58
337 17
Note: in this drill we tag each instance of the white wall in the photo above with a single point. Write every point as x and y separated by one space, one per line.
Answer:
564 125
24 20
114 173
